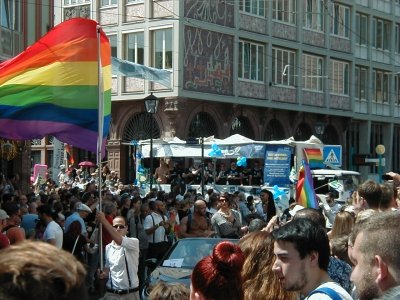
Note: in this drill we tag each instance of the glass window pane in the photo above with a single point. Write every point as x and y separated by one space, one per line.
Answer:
158 49
113 44
261 63
240 68
168 49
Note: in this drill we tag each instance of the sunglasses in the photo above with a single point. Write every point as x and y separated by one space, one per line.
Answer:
222 200
119 226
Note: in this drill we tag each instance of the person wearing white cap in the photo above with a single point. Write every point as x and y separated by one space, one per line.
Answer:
4 241
82 212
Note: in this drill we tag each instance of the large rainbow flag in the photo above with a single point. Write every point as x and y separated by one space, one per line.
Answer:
305 193
52 88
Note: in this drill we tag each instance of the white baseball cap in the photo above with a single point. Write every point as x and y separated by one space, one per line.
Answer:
3 215
84 207
179 197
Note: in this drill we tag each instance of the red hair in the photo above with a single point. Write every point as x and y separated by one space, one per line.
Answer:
218 276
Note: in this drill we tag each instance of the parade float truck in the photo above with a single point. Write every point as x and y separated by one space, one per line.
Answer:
282 160
325 170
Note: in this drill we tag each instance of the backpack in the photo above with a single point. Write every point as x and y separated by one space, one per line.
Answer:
327 291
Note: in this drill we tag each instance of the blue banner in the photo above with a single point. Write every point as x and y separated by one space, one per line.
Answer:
277 165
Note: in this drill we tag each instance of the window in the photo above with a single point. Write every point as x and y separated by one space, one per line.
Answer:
73 2
284 11
113 43
312 72
283 67
361 82
381 86
162 45
255 7
361 34
380 34
251 61
134 47
339 77
340 21
314 14
397 89
109 2
10 14
397 39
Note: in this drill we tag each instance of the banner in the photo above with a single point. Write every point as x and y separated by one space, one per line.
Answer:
39 173
277 163
58 159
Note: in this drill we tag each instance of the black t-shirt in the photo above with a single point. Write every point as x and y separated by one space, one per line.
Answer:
69 242
234 176
257 176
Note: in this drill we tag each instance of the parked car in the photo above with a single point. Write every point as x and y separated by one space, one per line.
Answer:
178 263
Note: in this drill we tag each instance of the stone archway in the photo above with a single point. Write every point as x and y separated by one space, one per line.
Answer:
140 126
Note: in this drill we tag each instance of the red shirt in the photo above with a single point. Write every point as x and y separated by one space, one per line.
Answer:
106 236
4 241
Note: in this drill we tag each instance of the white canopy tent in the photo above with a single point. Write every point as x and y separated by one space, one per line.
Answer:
231 147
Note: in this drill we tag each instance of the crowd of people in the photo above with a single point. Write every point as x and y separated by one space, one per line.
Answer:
173 173
339 251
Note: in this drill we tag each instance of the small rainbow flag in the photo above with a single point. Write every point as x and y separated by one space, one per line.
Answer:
305 193
70 155
52 88
314 157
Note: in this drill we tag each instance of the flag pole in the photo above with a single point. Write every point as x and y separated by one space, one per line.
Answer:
100 138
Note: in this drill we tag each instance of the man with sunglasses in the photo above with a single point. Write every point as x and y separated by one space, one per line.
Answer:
122 260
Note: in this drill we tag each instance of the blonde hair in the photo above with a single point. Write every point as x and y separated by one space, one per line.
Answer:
343 225
259 280
37 270
165 291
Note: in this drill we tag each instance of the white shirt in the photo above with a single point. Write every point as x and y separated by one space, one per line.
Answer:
54 231
159 235
115 260
330 213
334 286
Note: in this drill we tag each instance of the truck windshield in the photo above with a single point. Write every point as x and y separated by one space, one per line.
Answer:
342 186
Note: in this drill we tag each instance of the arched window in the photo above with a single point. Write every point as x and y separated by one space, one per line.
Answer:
330 136
241 125
274 131
139 128
202 125
303 132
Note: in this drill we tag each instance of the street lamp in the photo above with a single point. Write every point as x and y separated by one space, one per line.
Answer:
151 103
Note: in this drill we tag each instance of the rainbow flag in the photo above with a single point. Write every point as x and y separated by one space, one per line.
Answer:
52 88
70 155
314 157
305 193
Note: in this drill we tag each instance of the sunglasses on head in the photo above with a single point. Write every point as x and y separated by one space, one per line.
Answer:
119 226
